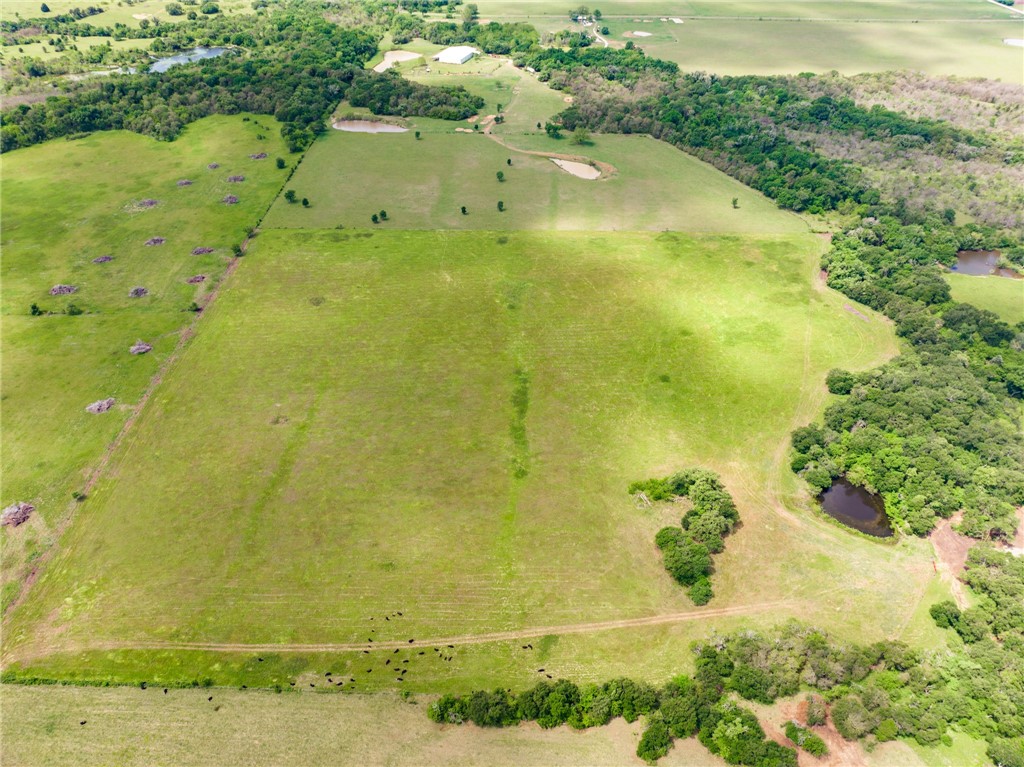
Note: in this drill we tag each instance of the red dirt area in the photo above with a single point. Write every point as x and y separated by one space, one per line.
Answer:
951 551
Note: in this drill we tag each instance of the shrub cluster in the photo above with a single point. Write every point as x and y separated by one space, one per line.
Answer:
687 549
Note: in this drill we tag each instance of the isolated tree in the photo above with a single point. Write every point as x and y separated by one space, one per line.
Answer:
236 250
417 135
280 163
581 136
36 311
305 202
539 126
501 176
374 218
383 215
509 161
290 195
501 206
735 202
174 9
464 212
597 14
44 8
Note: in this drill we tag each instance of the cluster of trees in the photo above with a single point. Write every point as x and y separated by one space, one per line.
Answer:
682 708
493 37
687 549
391 94
297 68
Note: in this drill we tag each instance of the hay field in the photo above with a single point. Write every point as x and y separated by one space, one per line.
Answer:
64 204
423 184
1001 295
114 12
339 443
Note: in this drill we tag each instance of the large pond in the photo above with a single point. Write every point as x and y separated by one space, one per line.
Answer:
196 54
368 126
981 263
857 508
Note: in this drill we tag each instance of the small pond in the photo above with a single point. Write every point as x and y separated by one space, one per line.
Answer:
196 54
368 126
857 508
981 263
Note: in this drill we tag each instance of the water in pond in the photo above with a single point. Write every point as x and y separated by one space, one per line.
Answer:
981 262
368 126
857 508
196 54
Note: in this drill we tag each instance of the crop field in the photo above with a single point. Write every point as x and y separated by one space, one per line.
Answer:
1001 295
427 436
65 204
44 50
422 184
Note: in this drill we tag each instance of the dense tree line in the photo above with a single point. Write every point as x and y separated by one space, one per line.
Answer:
687 549
296 66
392 94
682 708
493 37
873 693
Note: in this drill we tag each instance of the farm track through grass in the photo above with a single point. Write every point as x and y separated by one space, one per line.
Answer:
359 385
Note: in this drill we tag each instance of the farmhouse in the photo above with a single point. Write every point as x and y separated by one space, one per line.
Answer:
458 54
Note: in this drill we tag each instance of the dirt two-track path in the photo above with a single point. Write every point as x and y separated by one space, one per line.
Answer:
466 639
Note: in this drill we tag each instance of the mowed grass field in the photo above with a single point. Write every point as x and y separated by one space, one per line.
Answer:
751 46
340 444
40 726
64 204
422 184
948 38
1001 295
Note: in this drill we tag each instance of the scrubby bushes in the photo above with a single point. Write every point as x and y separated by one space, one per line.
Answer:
687 550
806 739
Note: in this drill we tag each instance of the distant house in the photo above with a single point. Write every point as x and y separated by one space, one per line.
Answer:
458 54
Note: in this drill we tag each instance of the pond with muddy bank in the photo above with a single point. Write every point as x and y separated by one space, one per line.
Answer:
857 508
982 263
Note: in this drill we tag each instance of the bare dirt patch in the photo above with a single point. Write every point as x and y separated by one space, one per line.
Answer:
578 169
395 57
855 313
951 551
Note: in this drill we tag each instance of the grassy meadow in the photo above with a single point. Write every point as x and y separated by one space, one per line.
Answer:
1001 295
422 184
64 204
114 11
345 423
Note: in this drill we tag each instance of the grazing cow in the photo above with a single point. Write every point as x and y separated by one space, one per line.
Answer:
83 721
387 662
210 698
165 691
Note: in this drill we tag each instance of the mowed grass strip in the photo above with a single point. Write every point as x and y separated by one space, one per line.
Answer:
423 184
66 203
340 442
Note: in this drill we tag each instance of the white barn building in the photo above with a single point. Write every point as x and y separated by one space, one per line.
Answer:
458 54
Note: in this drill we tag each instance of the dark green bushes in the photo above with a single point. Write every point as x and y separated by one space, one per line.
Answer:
687 549
806 739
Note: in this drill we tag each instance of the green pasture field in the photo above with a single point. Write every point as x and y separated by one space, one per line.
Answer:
422 184
114 12
790 9
40 726
36 50
339 443
749 46
64 204
1001 295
